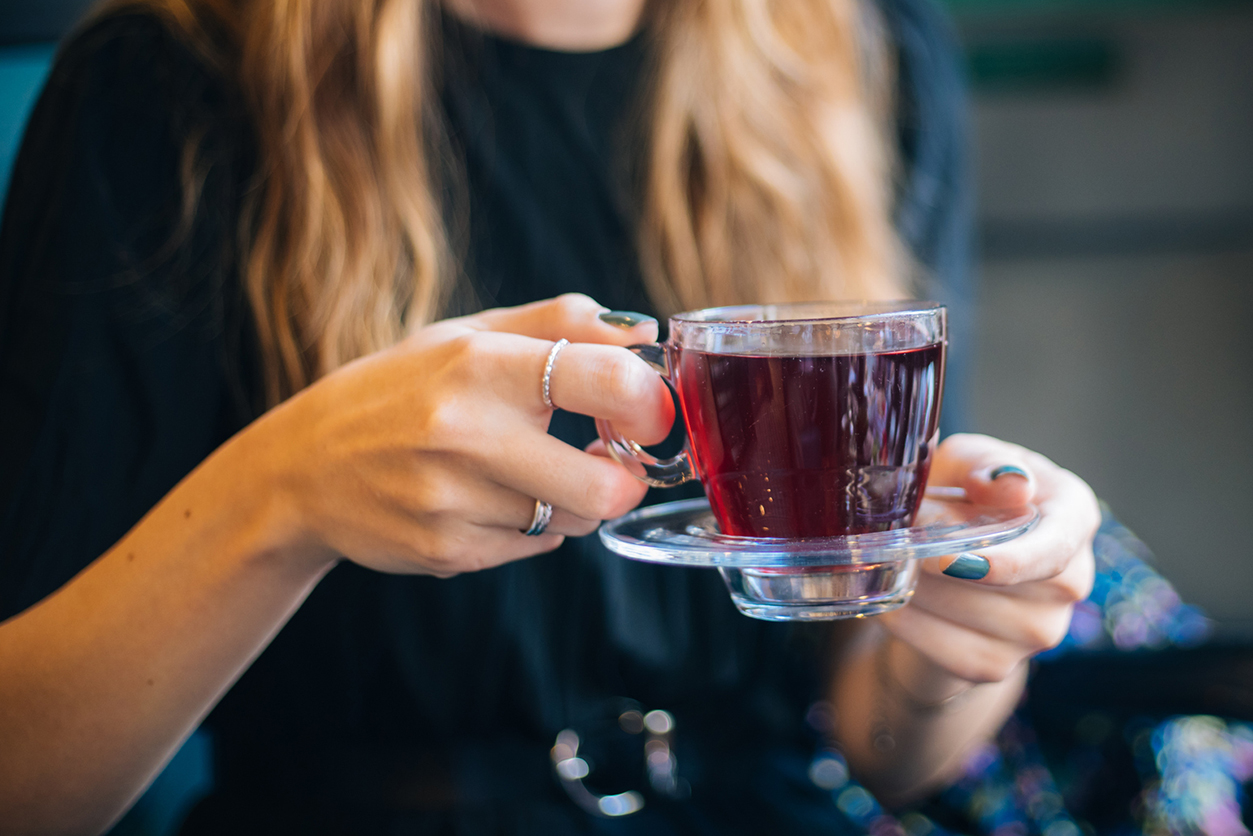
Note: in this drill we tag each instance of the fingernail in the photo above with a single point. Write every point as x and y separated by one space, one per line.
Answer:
968 567
1011 469
625 319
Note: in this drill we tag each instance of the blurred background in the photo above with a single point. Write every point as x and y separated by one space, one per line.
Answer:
1115 169
1114 143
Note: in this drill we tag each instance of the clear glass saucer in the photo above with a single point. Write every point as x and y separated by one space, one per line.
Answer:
815 577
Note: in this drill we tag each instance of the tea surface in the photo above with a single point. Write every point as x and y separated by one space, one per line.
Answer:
806 446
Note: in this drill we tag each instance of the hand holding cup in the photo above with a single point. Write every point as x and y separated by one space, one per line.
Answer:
430 457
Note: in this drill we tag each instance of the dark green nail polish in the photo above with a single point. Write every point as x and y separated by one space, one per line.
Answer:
1008 468
625 319
968 567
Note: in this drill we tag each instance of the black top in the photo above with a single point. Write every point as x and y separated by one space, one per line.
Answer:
399 704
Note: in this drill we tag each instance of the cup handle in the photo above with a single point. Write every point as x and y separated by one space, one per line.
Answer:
660 473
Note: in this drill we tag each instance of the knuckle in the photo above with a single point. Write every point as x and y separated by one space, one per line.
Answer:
989 669
976 445
1089 517
475 560
992 661
575 303
462 347
439 553
1075 586
483 352
960 440
445 425
603 500
434 562
600 502
1083 588
626 380
549 542
1009 572
1043 636
570 308
973 671
452 554
1061 626
1094 512
580 527
428 498
476 355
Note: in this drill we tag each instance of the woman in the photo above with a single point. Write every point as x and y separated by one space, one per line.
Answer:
235 236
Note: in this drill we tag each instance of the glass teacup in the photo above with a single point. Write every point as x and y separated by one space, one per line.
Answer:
804 421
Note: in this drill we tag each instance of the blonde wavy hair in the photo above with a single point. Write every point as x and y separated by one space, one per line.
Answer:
766 174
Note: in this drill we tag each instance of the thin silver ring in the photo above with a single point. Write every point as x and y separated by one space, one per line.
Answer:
540 519
548 371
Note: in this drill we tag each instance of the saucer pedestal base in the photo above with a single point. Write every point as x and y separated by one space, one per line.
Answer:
821 593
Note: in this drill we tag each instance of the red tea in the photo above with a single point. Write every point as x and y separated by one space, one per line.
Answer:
807 446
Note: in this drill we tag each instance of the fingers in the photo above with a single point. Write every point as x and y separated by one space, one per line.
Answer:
589 376
430 456
993 472
571 316
508 446
1034 617
471 549
597 380
490 422
445 524
501 507
1068 520
981 633
589 487
505 351
966 653
597 448
608 382
563 522
981 627
1068 511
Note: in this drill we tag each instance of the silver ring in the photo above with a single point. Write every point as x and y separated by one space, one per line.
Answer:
548 371
540 519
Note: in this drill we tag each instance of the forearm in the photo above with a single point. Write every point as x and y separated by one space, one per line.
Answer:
104 679
906 726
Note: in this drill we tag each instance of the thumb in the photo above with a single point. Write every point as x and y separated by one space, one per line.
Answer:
992 472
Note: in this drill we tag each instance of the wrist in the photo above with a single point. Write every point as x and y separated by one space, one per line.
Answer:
915 680
257 466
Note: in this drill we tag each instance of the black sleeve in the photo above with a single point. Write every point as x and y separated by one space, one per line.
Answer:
119 324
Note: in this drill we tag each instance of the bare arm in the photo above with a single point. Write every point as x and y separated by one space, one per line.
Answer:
420 459
105 678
